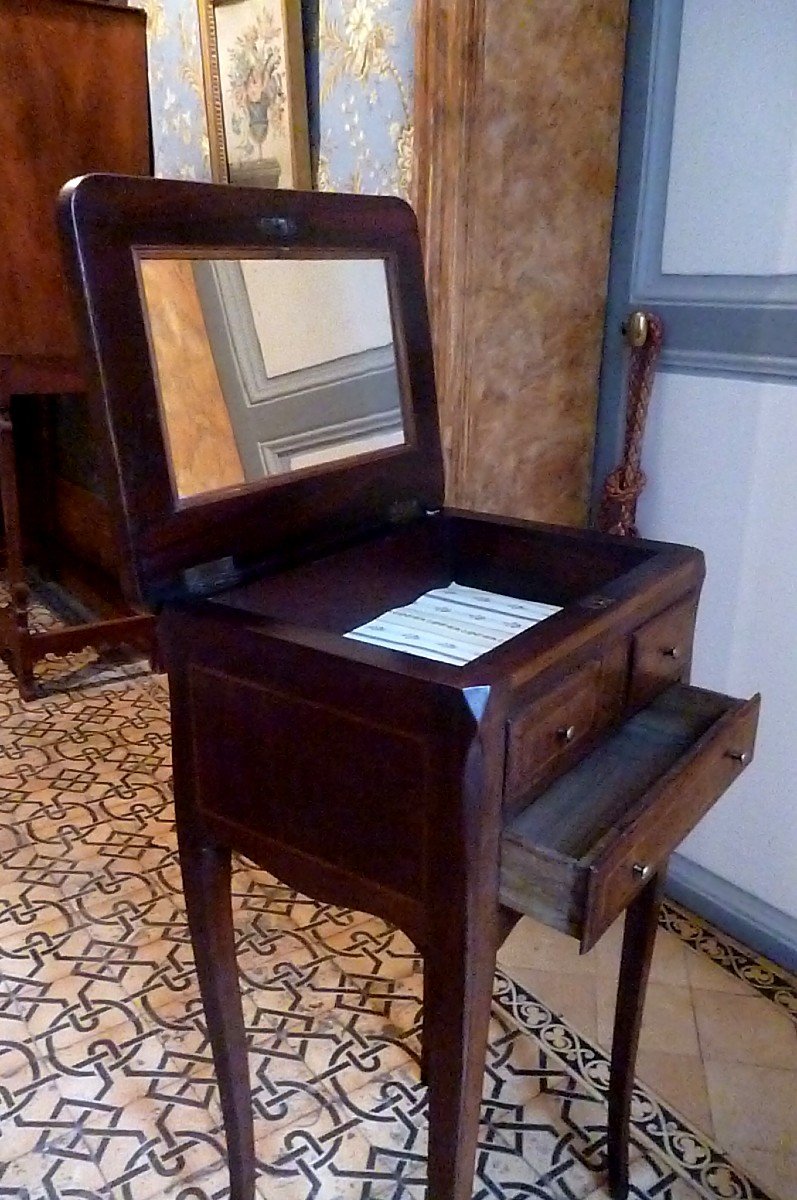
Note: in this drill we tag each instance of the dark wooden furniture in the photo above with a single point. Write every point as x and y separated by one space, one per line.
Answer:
552 776
74 99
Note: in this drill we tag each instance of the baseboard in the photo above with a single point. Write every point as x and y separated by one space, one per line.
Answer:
752 921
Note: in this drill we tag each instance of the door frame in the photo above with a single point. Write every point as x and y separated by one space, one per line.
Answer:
736 325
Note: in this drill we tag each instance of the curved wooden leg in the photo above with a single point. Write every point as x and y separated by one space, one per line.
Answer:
206 874
424 1057
641 922
457 996
507 920
15 615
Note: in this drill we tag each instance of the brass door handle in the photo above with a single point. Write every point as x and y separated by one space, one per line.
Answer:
635 328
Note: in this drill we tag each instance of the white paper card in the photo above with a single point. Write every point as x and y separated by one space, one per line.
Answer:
454 624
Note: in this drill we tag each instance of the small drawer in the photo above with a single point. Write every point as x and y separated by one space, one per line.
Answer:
577 855
545 738
661 652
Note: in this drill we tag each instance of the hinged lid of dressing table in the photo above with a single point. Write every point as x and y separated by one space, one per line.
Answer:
355 284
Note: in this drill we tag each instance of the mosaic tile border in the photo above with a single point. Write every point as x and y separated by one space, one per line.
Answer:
690 1152
770 980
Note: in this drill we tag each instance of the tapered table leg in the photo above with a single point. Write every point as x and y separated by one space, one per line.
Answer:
424 1064
641 922
16 613
506 922
206 874
457 999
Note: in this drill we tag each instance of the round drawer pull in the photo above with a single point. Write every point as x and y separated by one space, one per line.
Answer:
641 870
566 733
671 652
742 757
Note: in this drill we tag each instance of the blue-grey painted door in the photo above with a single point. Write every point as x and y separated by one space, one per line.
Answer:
716 324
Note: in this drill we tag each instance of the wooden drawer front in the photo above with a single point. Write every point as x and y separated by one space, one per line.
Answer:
579 853
545 738
651 830
661 652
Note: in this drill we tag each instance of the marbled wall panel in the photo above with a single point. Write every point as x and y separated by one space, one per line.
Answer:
199 435
543 174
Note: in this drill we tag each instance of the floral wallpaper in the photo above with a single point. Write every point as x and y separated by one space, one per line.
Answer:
366 50
179 128
359 81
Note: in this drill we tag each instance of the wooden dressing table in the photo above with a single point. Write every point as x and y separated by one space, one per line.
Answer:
552 775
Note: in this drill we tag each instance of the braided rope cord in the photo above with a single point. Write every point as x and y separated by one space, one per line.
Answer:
624 485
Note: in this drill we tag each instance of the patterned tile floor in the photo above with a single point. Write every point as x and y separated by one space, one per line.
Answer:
106 1082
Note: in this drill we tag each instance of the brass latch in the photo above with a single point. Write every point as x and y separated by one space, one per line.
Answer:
635 329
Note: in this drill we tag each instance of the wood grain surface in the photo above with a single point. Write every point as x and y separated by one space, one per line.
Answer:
358 774
74 100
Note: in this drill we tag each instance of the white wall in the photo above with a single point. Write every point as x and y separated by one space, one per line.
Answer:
721 458
721 453
732 195
314 310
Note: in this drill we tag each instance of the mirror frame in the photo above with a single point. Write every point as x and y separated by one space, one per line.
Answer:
104 219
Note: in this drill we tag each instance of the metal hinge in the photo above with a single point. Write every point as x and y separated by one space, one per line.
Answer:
208 577
402 511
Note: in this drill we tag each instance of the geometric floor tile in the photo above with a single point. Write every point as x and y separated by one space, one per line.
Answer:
107 1087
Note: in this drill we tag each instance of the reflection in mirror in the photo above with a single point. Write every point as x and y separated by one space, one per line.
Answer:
269 366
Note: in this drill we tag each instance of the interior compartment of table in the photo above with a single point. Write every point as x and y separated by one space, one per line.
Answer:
340 590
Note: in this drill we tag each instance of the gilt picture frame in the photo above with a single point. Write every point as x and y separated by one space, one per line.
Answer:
255 93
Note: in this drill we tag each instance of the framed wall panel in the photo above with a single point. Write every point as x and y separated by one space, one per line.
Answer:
717 323
721 323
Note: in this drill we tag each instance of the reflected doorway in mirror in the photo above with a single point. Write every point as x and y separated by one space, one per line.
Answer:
268 366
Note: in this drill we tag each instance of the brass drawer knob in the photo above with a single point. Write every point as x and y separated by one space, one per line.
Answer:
641 870
742 757
566 733
671 652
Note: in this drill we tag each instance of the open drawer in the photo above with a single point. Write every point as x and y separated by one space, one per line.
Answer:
576 856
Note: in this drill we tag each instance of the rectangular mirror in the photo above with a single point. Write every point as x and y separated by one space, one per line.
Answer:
265 367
